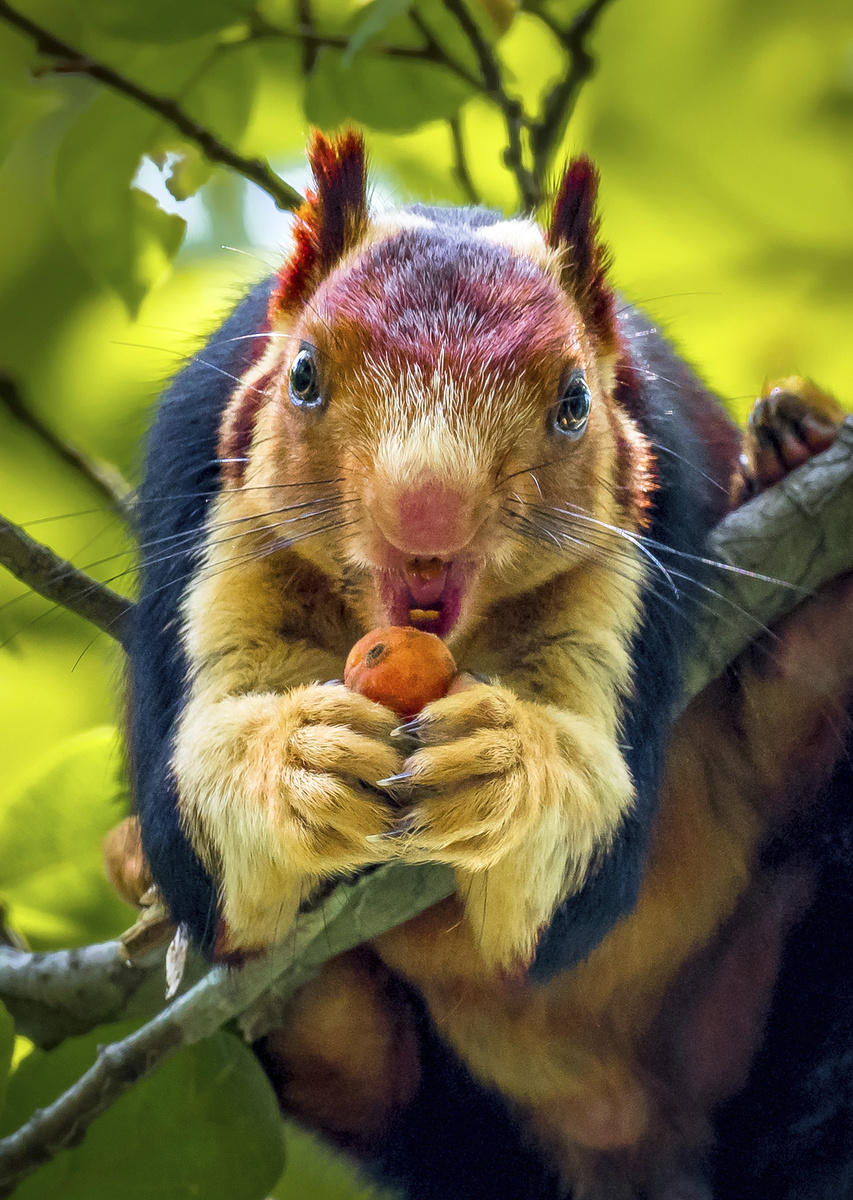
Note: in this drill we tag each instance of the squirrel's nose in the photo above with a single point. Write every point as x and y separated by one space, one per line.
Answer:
429 520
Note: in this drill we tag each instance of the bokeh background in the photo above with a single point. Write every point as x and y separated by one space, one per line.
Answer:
723 130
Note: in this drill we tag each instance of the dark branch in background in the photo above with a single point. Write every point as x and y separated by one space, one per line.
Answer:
74 61
432 51
60 581
310 49
513 114
106 479
460 162
559 104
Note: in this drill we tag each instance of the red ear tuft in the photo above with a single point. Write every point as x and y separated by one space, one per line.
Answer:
574 227
331 220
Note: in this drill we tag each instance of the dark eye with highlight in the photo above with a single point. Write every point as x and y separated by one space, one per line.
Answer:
304 384
572 413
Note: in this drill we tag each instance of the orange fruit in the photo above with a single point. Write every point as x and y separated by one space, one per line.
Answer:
400 667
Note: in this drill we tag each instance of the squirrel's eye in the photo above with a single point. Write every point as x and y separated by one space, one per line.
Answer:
572 412
304 386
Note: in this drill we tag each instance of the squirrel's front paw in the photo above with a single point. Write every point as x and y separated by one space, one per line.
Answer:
488 766
520 798
335 747
278 792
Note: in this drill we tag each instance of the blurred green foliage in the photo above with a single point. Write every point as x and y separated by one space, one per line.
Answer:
205 1125
722 129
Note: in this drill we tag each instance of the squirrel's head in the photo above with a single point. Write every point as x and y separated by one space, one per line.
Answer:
443 377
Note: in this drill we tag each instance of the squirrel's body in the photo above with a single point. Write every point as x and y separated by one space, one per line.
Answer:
440 418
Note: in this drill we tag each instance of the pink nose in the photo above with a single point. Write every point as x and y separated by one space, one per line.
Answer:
431 520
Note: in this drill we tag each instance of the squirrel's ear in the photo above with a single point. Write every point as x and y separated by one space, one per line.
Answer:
332 220
574 230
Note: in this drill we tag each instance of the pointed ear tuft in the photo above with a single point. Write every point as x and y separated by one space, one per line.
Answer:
574 229
331 221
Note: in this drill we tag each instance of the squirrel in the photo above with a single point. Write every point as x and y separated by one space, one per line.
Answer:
444 418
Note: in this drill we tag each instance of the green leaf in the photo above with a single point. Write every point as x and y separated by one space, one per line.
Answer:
120 233
384 93
375 18
222 99
205 1126
51 828
161 21
188 172
316 1172
7 1045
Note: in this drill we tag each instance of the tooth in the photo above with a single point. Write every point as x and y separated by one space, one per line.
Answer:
423 614
425 568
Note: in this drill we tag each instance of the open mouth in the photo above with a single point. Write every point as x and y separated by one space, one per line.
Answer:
426 593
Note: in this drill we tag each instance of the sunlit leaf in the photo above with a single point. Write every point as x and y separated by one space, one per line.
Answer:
205 1125
189 171
51 828
222 99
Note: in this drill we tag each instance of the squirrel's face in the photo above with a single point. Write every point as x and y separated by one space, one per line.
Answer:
444 388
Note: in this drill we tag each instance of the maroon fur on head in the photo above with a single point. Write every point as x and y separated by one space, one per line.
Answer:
331 219
238 429
574 226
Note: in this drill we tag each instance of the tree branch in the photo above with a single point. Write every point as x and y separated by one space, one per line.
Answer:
782 546
513 114
61 582
73 60
460 162
559 104
431 51
106 479
64 993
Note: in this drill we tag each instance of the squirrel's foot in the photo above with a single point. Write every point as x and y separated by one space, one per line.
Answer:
791 422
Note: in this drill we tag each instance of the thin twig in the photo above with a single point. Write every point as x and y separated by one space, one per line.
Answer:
73 60
512 111
431 51
106 479
559 104
310 48
60 581
460 162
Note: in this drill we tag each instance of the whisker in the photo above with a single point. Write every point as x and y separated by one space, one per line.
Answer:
567 517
